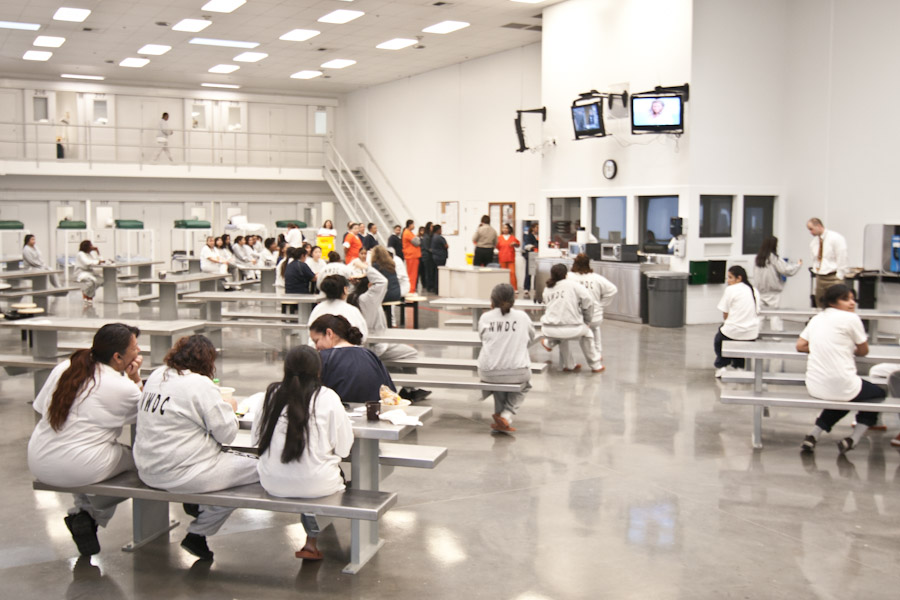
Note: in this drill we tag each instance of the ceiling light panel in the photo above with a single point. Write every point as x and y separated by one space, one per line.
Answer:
250 57
37 55
154 49
227 86
134 63
338 63
529 1
17 25
90 77
192 25
446 27
48 41
75 15
341 16
396 44
223 43
306 74
225 69
224 6
299 35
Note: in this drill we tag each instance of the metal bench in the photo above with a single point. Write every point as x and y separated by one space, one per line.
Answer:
455 384
260 315
12 294
151 509
467 364
17 364
761 400
781 378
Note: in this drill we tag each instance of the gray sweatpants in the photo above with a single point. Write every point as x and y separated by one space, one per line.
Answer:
102 508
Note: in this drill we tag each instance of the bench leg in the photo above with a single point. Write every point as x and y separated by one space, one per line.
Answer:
757 427
149 520
364 541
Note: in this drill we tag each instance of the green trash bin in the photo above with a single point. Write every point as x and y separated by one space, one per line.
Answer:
667 298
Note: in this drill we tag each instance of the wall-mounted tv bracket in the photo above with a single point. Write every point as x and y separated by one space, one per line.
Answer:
609 97
521 132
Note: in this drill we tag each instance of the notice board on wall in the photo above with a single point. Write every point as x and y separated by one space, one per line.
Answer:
448 217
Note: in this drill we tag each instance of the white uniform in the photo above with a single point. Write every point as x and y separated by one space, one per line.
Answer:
294 237
833 336
373 312
601 290
743 312
317 473
182 425
340 307
268 257
333 268
504 356
207 265
162 139
32 258
85 449
85 272
567 317
768 284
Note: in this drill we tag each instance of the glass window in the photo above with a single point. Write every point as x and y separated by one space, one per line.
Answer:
608 218
321 121
565 215
715 216
758 221
234 118
198 116
655 218
41 109
101 116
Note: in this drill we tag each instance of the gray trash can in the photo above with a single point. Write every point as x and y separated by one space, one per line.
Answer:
667 299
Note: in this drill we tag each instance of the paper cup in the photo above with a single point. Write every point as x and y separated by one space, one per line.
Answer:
227 393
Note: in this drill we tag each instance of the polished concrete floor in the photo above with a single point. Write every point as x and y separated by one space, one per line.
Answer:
635 483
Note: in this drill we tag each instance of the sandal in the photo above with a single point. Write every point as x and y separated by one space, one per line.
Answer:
308 554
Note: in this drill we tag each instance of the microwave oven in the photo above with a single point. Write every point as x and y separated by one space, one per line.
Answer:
619 252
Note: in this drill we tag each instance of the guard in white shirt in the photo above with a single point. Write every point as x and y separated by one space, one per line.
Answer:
829 251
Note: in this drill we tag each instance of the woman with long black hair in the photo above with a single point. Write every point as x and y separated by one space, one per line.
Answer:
303 433
740 307
768 271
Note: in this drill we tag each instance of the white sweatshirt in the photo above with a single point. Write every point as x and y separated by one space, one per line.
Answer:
340 307
317 472
85 263
32 258
599 288
504 345
85 450
335 268
569 310
181 424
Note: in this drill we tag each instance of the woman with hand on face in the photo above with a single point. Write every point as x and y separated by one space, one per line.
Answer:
86 273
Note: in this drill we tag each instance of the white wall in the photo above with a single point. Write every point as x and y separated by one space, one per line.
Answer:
448 135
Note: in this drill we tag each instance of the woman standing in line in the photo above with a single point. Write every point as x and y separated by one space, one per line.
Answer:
834 338
426 264
86 273
567 317
411 254
740 307
506 334
600 289
439 248
530 253
33 259
506 250
303 433
768 270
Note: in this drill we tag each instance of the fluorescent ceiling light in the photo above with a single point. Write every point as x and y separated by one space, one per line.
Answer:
48 41
528 1
224 69
224 43
134 63
338 63
76 15
446 27
17 25
223 6
299 35
154 49
37 55
250 56
193 25
397 44
305 74
91 77
341 16
228 86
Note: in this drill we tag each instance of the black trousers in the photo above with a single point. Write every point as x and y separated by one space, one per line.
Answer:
737 363
868 393
483 256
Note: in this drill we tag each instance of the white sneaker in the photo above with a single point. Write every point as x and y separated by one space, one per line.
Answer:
721 371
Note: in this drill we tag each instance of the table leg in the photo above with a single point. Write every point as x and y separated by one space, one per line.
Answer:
267 281
873 331
40 378
209 285
149 520
476 315
364 541
110 286
159 347
168 301
193 266
758 375
40 283
215 336
416 315
757 427
44 344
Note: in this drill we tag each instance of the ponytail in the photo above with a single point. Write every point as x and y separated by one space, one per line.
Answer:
558 272
739 271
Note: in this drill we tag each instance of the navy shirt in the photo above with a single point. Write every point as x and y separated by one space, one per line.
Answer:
355 373
298 278
439 249
397 244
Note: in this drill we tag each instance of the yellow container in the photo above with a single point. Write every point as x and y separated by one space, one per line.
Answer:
470 258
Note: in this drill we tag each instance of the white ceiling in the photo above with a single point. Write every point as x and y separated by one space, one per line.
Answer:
120 27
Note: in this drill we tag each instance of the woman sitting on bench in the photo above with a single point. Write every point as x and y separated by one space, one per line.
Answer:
182 424
83 406
740 308
336 289
303 433
567 318
833 338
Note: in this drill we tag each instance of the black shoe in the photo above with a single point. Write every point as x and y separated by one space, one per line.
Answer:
196 545
418 395
192 510
84 531
845 445
406 393
809 444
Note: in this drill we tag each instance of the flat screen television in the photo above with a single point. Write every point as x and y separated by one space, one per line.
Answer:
661 113
588 120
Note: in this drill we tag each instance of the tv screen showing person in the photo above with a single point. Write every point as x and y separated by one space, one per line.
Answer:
656 110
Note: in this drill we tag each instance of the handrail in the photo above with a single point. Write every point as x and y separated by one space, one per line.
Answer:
387 181
338 174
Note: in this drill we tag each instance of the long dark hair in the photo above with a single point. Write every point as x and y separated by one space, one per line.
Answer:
295 393
738 271
333 286
110 339
557 273
27 239
361 287
290 254
838 291
340 326
766 249
193 353
503 296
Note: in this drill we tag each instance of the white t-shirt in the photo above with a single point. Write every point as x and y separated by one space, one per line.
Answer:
84 450
207 265
833 336
294 237
504 340
317 472
743 313
342 308
332 268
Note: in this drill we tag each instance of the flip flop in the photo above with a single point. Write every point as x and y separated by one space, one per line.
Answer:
308 554
501 428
